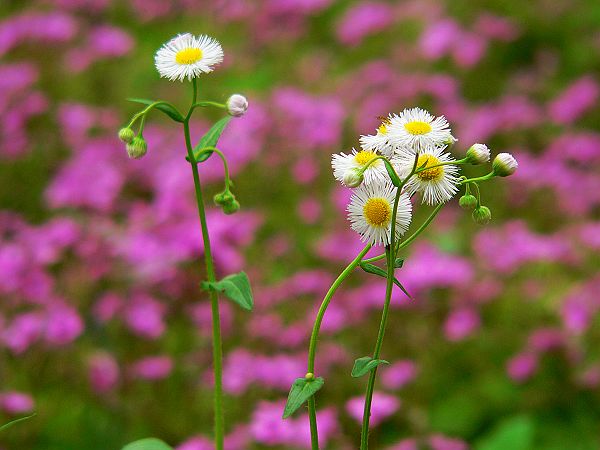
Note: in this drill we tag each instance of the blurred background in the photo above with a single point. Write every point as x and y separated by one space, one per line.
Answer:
103 330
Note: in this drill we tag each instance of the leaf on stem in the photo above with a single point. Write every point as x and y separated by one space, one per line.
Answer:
398 263
392 173
301 391
210 139
169 110
147 444
12 422
372 268
236 288
365 364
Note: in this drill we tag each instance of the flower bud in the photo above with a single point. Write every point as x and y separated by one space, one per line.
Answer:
224 198
467 201
137 148
126 135
231 207
450 140
478 154
353 178
237 105
309 376
482 215
504 164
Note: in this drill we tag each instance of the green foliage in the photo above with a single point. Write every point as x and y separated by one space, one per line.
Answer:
236 288
210 139
365 364
301 391
148 444
169 110
372 268
516 433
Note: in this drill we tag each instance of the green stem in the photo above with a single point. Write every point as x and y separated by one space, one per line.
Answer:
312 348
210 271
458 162
223 158
481 178
208 103
147 109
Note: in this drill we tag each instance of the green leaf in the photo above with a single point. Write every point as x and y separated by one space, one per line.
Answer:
365 364
236 287
169 110
301 391
398 263
12 422
210 139
516 433
147 444
392 173
372 268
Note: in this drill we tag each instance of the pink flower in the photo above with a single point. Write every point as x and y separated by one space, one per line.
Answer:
399 374
13 402
461 323
575 100
152 368
103 371
362 20
522 366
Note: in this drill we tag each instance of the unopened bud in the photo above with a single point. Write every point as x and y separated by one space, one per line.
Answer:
450 140
467 201
478 154
223 198
137 148
309 376
353 178
126 135
231 207
237 105
482 215
504 164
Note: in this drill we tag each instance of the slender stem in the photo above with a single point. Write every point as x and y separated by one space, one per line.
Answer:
223 159
209 103
481 178
458 162
210 271
312 348
147 109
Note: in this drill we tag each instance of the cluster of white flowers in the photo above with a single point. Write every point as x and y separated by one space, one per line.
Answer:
415 144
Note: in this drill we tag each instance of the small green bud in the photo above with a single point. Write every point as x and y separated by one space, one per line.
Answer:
504 164
450 140
126 135
309 376
137 148
231 207
478 154
482 215
353 178
223 198
467 201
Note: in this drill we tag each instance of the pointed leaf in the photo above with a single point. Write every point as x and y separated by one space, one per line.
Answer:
365 364
398 263
301 391
169 110
12 422
372 268
147 444
236 287
210 139
392 173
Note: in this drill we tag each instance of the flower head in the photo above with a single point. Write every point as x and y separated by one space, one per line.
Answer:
436 180
137 147
370 212
380 141
504 164
415 129
478 154
345 165
188 56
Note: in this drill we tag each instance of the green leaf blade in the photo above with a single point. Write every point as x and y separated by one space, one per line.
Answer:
169 110
301 391
364 365
210 139
13 422
392 173
235 287
375 270
147 444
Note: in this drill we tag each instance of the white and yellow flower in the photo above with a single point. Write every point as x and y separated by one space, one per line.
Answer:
380 141
435 179
342 164
188 56
416 129
370 212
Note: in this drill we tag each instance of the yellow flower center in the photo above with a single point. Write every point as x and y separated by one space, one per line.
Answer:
377 212
430 174
364 156
382 129
188 56
417 127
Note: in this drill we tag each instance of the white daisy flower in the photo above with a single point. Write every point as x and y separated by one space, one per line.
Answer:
342 164
188 56
437 184
379 142
415 129
370 212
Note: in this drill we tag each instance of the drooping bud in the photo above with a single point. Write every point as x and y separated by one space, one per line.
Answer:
137 147
353 178
231 207
223 198
478 154
482 215
237 105
504 164
467 201
126 135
